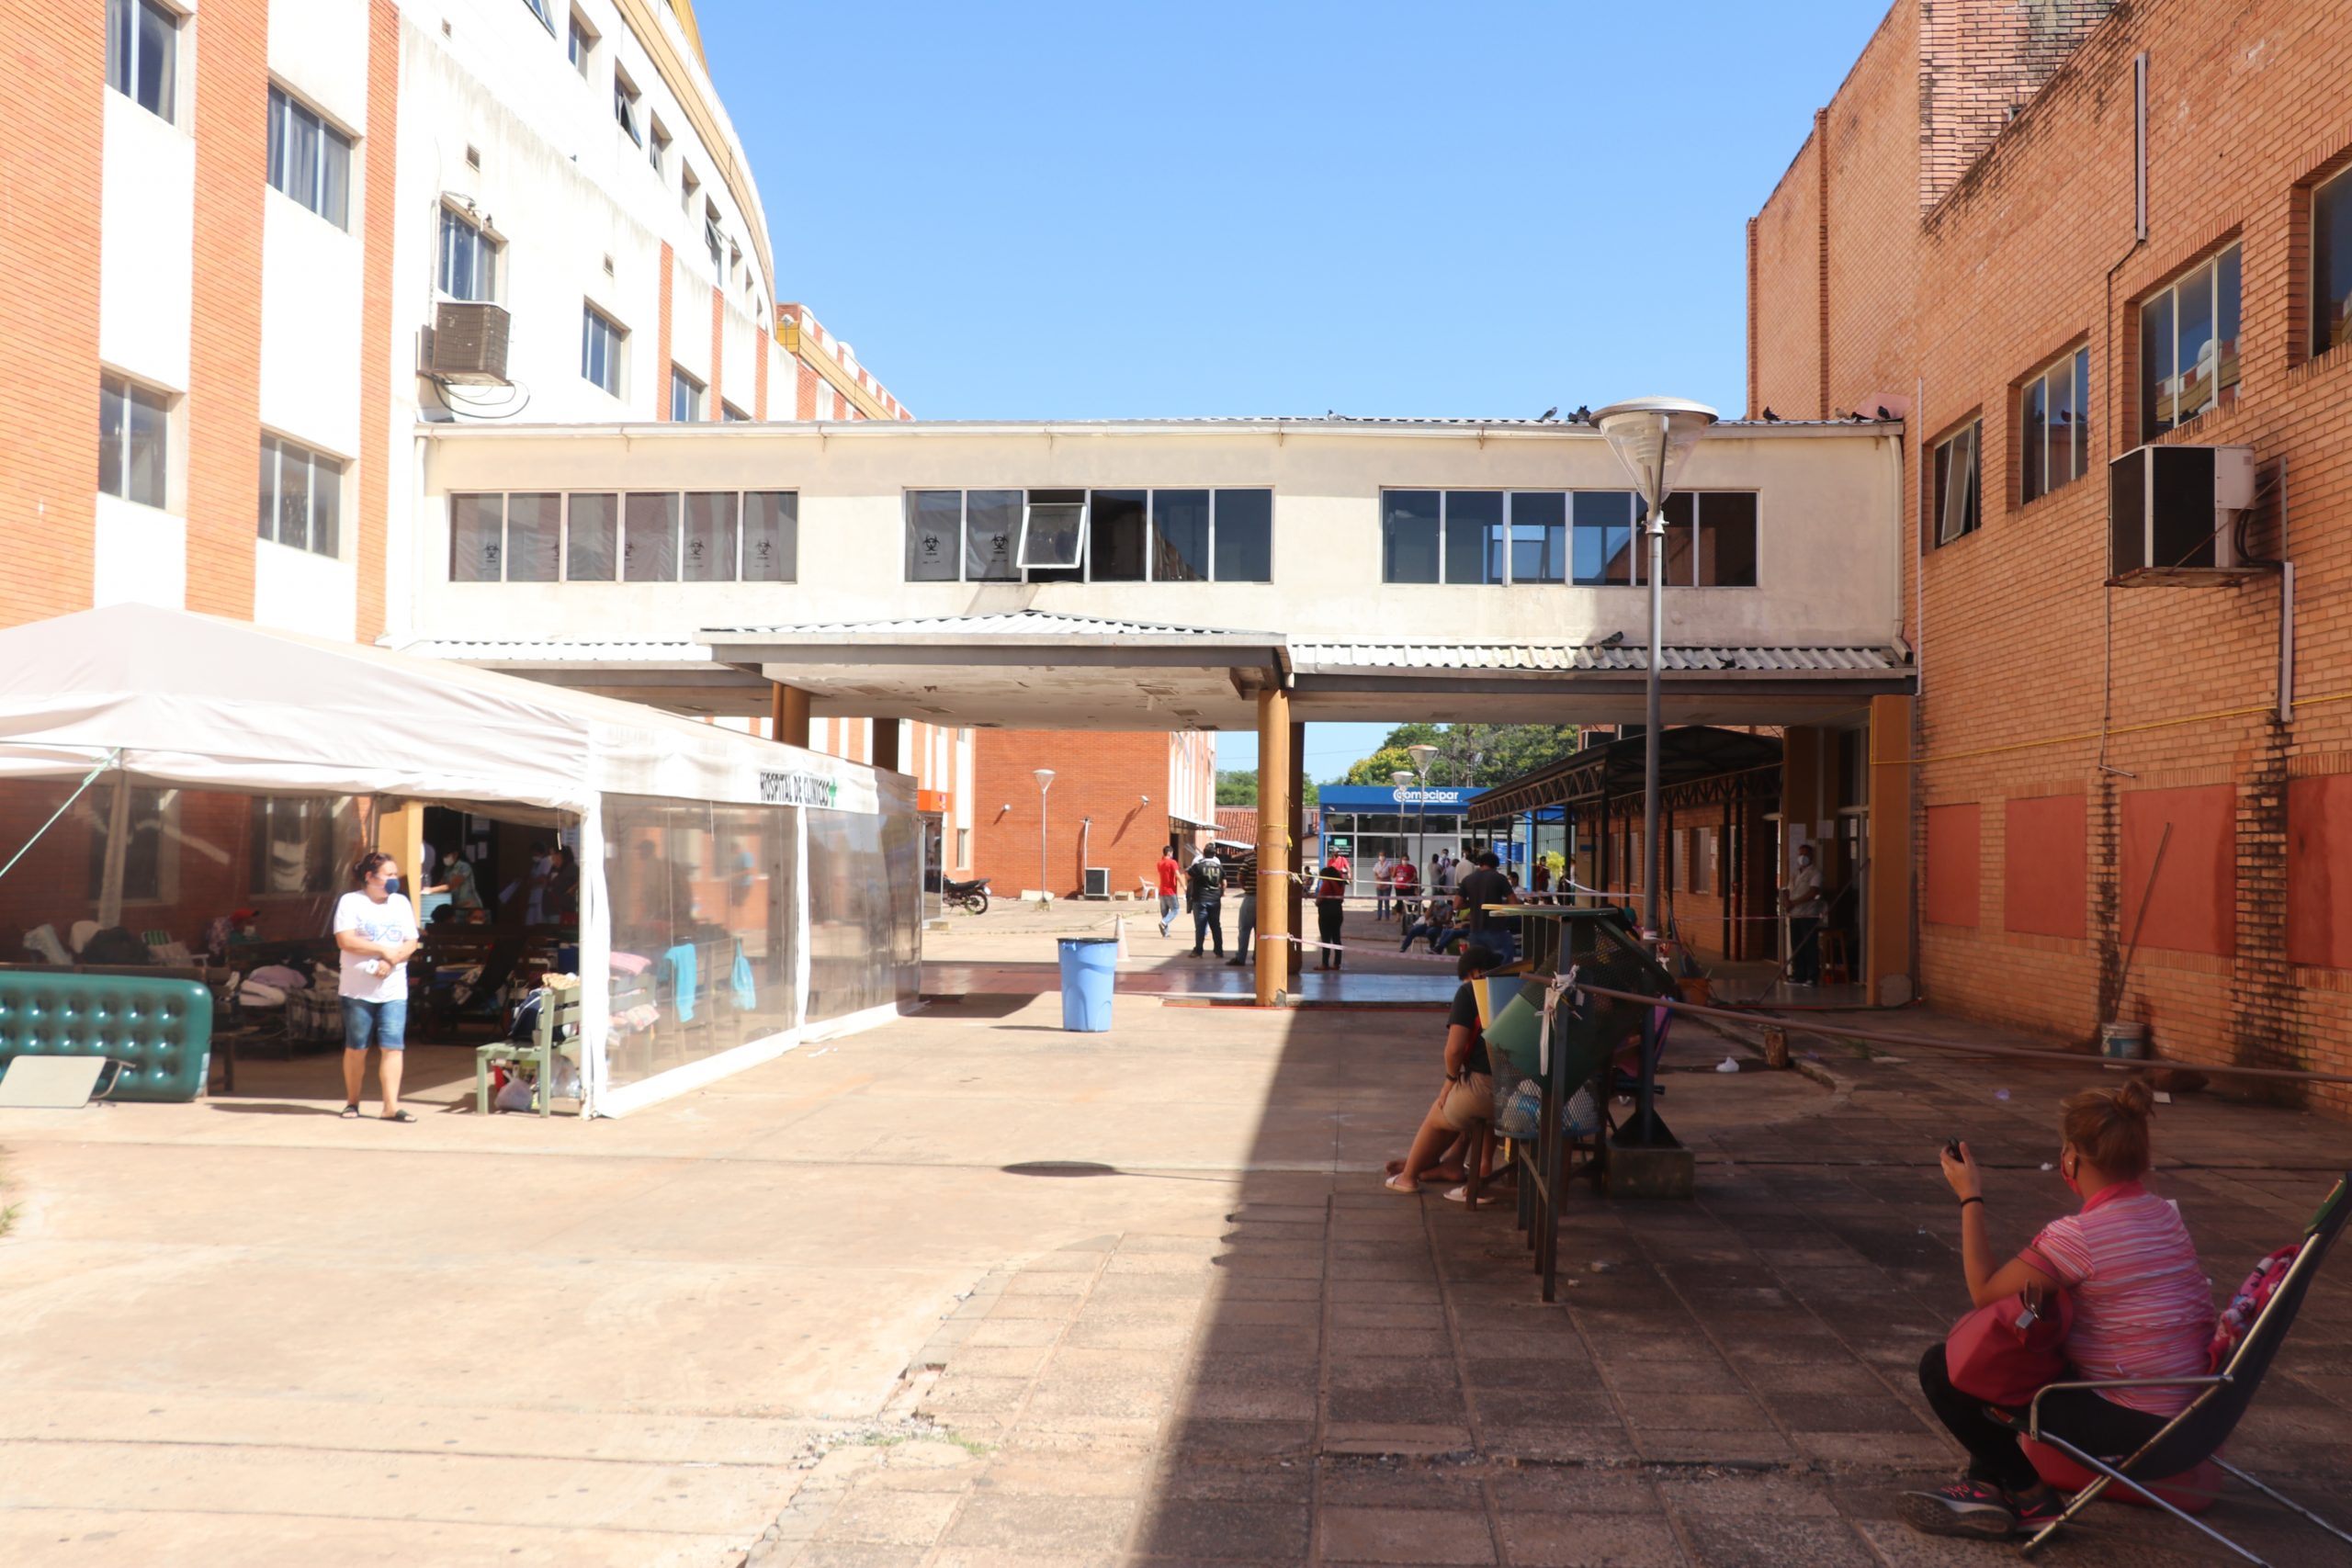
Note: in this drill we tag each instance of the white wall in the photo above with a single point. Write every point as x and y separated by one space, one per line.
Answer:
1829 529
311 288
318 49
146 249
142 556
297 591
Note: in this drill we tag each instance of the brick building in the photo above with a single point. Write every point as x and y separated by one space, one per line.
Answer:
2045 235
1117 796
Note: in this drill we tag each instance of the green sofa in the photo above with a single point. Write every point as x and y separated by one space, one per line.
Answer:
159 1030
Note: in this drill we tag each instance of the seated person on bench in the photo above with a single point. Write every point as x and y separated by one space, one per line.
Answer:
1436 926
1466 1097
2143 1308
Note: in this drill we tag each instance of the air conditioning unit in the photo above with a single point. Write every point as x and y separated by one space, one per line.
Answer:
466 343
1098 882
2173 513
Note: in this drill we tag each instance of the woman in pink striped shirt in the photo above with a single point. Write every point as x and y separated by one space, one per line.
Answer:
2143 1308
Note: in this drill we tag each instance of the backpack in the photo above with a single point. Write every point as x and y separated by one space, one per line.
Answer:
2247 1305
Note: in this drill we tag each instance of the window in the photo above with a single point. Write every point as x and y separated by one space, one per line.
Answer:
2188 346
688 188
2332 263
534 537
468 265
650 539
1538 538
1410 523
599 348
1474 536
624 107
310 160
710 538
144 868
1604 539
714 242
477 538
2054 427
301 498
143 53
686 397
592 538
579 43
657 147
1105 535
1956 484
544 12
1709 539
770 536
729 415
134 442
297 844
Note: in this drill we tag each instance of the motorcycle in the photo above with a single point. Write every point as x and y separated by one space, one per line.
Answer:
972 896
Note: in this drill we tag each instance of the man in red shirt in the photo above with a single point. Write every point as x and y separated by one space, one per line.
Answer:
1330 890
1169 871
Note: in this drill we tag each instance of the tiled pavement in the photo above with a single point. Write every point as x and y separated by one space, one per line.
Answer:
1334 1375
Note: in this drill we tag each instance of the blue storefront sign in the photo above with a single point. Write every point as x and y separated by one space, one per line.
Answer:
1394 798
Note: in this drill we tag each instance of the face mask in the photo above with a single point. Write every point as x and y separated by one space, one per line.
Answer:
391 885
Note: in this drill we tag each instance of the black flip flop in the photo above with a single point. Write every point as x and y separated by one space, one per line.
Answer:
398 1116
351 1111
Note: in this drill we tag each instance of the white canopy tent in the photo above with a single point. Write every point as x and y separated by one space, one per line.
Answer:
174 698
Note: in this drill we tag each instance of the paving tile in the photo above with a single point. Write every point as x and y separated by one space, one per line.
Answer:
1393 1405
1671 1445
1572 1489
1222 1527
858 1554
1424 1342
1732 1492
998 1331
1532 1372
1698 1412
1392 1373
1588 1541
1393 1481
889 1517
1199 1438
1843 1412
1043 1525
1405 1535
1766 1541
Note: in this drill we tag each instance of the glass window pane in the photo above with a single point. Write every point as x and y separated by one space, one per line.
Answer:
1180 531
158 45
934 519
1539 537
334 177
2331 263
991 532
533 538
269 520
2225 318
294 499
1474 536
122 22
476 546
1602 521
2033 435
146 461
711 537
591 526
2081 420
1678 568
1117 537
650 539
1245 536
770 536
113 436
2156 366
2197 348
326 506
1408 536
301 154
281 130
1053 530
1727 540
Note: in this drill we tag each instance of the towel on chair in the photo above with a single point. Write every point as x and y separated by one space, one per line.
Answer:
680 960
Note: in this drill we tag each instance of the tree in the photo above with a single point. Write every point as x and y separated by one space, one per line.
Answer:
1236 786
1480 755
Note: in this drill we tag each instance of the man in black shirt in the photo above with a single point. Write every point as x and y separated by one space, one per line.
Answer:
1482 886
1468 1094
1207 888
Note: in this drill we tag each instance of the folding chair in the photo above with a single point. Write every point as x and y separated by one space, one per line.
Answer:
2199 1431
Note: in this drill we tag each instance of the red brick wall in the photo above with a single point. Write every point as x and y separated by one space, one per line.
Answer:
2013 263
48 335
378 209
760 403
1103 774
223 403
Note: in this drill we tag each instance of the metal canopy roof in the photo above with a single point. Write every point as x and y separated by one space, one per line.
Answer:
1685 755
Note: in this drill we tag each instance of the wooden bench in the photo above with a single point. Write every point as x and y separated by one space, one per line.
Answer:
559 1010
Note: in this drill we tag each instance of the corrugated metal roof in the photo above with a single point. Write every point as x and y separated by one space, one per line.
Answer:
1007 623
1310 657
523 650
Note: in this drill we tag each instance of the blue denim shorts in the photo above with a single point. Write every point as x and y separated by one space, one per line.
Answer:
375 1023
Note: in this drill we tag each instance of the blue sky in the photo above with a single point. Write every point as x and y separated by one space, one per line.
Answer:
1061 211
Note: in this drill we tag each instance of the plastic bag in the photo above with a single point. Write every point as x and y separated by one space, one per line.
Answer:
563 1077
515 1094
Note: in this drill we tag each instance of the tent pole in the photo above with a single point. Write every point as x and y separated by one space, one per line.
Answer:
117 830
596 959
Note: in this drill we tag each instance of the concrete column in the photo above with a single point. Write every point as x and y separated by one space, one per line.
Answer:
886 744
1886 941
1298 837
400 832
1274 772
789 710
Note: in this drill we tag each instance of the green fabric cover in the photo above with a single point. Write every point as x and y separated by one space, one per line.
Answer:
160 1029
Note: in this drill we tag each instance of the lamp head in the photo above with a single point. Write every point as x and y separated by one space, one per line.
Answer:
1653 437
1422 756
1402 777
1044 780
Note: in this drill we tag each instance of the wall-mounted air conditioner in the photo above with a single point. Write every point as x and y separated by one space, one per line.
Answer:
2173 513
466 343
1098 882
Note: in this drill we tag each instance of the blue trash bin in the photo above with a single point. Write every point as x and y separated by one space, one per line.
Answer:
1090 967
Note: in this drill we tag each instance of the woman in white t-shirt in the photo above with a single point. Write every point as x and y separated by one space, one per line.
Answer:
375 930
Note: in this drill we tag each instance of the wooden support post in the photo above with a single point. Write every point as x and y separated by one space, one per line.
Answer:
1274 926
886 744
1297 837
788 715
1886 935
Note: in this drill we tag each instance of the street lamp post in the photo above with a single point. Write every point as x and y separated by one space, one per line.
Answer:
1044 783
1423 755
1653 437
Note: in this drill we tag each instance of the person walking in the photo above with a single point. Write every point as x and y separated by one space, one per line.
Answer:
1407 878
1380 884
1483 886
376 934
1805 907
1331 906
1169 872
1206 885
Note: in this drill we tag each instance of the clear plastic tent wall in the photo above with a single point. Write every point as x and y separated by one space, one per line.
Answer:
741 895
